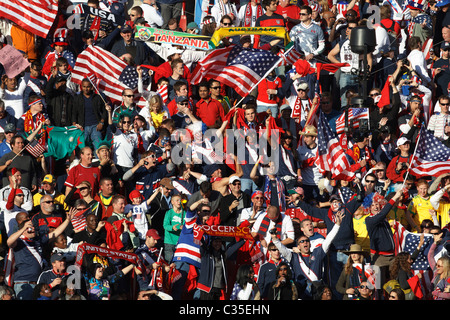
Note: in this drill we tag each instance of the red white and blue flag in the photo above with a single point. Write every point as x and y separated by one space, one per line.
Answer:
330 155
35 16
354 117
431 157
236 67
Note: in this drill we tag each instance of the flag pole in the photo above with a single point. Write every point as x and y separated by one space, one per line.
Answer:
412 159
265 76
98 91
29 139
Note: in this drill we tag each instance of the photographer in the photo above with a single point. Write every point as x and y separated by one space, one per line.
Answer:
410 123
400 163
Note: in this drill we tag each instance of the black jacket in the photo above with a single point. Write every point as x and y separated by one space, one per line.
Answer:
227 217
59 105
98 107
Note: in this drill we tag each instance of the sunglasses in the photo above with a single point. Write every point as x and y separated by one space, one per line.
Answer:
364 287
128 95
303 14
303 241
444 104
226 24
183 104
370 181
236 183
274 249
288 137
215 88
83 188
126 121
374 94
49 201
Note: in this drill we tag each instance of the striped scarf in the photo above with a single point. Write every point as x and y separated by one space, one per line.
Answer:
280 193
265 224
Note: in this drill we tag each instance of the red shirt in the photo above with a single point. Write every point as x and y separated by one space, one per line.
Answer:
81 173
208 111
262 90
292 12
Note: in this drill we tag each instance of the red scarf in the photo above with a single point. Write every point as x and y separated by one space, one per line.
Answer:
249 14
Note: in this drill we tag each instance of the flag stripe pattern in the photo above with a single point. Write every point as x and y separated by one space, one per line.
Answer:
106 67
35 148
35 16
235 67
354 115
330 155
432 156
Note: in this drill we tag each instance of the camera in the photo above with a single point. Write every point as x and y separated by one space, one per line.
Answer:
273 231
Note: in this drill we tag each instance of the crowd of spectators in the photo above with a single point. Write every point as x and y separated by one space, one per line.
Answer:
149 221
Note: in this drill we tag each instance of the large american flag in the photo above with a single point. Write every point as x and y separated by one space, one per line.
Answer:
35 16
406 241
354 116
236 67
431 157
105 66
330 155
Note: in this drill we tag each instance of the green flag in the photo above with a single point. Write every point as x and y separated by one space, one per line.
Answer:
62 141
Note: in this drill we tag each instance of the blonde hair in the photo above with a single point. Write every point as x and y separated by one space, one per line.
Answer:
446 266
155 99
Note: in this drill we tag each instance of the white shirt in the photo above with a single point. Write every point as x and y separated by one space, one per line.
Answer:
138 217
152 16
14 99
417 60
287 228
123 146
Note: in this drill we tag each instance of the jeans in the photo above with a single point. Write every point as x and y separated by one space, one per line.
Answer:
24 291
92 136
264 108
347 81
248 186
168 11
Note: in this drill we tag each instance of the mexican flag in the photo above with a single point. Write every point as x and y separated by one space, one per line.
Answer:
62 141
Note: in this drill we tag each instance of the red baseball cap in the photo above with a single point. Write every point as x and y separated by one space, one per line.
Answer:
153 233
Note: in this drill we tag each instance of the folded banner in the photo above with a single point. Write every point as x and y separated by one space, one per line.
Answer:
278 32
115 254
227 231
177 38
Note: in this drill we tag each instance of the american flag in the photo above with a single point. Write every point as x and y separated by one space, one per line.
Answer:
35 148
79 220
105 66
35 16
236 67
330 155
406 241
431 157
290 57
426 48
420 19
354 116
163 91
